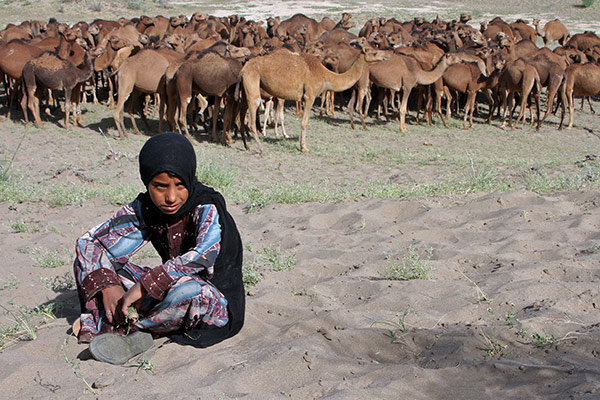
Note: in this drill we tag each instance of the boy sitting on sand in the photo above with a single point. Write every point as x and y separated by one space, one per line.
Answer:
196 296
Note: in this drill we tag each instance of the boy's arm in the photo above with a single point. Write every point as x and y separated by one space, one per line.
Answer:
200 258
104 246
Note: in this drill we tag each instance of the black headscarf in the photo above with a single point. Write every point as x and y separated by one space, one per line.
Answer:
172 152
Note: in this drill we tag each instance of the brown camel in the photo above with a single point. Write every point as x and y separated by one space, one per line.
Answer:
553 30
134 77
467 77
584 41
209 75
582 80
525 30
52 72
519 77
297 77
13 57
551 76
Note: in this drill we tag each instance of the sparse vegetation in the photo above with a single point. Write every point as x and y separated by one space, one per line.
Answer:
46 258
59 283
251 277
396 329
411 265
542 339
278 260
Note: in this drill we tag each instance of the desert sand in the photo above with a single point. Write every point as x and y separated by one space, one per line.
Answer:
509 309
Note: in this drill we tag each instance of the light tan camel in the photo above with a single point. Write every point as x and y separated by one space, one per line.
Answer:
291 76
134 77
553 30
403 73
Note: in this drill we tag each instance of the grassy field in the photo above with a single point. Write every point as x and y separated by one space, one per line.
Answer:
426 162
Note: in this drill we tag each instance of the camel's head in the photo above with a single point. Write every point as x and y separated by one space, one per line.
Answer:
452 58
535 22
237 52
94 29
199 17
464 18
372 55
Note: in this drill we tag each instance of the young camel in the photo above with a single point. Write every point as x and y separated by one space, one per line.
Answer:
292 76
52 72
553 30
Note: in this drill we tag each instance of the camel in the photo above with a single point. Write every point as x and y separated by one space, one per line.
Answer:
583 41
467 77
524 30
403 73
519 77
290 26
134 77
553 30
551 76
297 77
209 75
13 57
52 72
581 80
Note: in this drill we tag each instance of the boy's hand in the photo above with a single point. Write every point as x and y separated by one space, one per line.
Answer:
110 299
135 293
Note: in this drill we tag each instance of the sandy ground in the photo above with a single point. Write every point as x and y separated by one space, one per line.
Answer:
510 309
508 271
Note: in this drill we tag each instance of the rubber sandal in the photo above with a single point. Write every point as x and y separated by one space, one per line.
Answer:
116 349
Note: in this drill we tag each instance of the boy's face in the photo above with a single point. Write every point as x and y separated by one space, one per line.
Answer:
167 192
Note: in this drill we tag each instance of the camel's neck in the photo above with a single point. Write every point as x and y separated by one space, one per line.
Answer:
429 77
84 72
537 30
64 48
341 82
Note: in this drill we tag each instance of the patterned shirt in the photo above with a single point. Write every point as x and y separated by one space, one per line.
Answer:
107 248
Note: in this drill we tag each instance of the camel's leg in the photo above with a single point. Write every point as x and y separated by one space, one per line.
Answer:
323 108
68 94
469 107
403 107
571 108
438 87
184 100
228 115
448 96
590 104
23 103
215 117
308 102
252 90
279 117
124 93
268 107
162 105
526 87
33 102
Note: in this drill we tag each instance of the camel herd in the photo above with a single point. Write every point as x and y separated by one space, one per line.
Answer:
224 69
